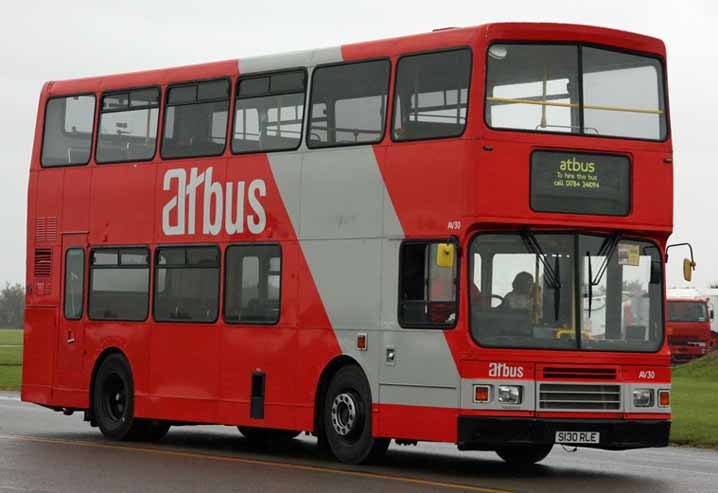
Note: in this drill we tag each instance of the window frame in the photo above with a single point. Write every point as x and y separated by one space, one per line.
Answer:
310 104
468 92
44 128
129 90
155 273
259 75
576 233
148 251
165 106
457 283
580 44
224 283
64 284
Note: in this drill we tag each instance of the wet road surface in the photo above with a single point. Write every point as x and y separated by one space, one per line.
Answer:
41 450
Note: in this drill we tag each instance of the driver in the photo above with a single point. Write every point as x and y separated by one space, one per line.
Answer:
520 297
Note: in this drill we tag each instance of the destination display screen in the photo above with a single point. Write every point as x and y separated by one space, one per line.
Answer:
580 183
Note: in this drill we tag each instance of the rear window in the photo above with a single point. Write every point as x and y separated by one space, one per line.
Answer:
67 136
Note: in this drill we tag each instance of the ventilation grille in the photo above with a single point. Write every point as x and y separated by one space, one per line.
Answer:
46 229
564 396
579 373
43 263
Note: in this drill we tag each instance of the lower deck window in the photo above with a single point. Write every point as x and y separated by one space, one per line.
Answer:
427 284
119 284
186 284
253 284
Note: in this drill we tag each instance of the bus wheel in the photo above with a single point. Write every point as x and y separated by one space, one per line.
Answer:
346 418
113 399
264 437
524 455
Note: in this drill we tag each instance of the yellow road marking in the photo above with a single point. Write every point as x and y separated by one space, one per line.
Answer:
281 465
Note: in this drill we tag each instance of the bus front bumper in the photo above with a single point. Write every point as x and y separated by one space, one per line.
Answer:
486 433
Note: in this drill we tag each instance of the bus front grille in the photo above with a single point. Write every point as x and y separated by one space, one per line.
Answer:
580 397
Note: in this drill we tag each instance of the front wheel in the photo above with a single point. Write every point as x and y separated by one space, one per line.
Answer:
524 455
347 419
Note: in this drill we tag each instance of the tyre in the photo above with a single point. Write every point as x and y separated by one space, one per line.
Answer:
267 437
113 404
347 419
524 455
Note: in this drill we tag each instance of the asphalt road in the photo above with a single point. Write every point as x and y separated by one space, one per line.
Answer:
45 451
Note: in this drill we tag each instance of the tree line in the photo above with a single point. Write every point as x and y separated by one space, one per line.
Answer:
12 306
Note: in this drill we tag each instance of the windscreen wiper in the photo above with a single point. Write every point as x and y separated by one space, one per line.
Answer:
551 273
608 247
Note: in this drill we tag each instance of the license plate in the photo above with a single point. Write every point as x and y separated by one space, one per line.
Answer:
578 437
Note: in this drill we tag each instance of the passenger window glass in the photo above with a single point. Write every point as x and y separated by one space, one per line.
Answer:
268 113
253 284
186 284
119 284
74 283
428 286
196 120
67 134
128 126
349 104
432 93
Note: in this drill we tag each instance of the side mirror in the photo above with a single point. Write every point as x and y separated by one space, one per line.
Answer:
688 267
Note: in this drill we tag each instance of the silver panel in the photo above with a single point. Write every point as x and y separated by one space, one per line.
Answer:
599 397
293 59
628 397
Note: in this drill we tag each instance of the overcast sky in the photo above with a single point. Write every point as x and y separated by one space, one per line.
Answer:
50 40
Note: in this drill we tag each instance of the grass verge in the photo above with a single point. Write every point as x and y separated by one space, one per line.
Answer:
10 359
694 398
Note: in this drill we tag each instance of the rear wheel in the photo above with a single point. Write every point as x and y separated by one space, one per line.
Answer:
347 419
524 455
113 404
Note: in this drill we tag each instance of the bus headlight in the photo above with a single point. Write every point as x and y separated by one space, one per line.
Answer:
510 394
643 398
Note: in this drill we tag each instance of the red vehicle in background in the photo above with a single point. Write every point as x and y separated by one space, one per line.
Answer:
689 328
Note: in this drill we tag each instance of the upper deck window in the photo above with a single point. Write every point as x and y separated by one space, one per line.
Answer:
67 136
128 126
268 112
348 104
432 93
196 120
575 89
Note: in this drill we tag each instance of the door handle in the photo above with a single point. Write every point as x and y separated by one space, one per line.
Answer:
70 338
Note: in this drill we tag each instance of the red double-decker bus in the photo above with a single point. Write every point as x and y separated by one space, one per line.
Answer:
454 236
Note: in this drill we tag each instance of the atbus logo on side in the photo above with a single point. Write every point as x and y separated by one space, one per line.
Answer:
219 208
502 370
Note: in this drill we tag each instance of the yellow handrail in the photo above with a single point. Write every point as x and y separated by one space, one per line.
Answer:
574 105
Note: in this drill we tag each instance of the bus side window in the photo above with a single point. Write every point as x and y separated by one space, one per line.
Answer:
119 284
128 126
348 104
268 112
427 287
196 119
74 283
432 95
253 284
67 136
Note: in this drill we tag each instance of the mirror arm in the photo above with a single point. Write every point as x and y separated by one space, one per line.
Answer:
690 248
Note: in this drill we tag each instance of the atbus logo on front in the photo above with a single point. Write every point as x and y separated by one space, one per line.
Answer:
221 206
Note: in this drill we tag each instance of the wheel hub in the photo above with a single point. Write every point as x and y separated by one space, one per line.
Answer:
344 414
